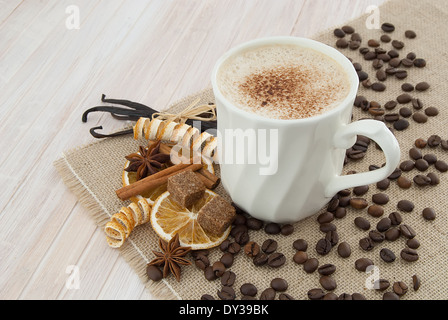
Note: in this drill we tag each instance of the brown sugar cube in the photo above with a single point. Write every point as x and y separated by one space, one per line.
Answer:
185 188
216 215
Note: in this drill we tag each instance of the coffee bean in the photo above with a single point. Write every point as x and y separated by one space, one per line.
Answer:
361 264
201 261
285 296
393 54
207 297
415 154
404 98
261 259
248 289
416 282
272 228
422 180
345 296
420 143
377 63
356 37
254 224
333 237
383 184
348 29
342 43
407 87
239 218
154 273
444 144
323 246
378 86
276 260
420 117
366 244
209 273
375 210
407 231
407 62
401 74
411 56
404 183
395 218
311 265
228 278
376 236
267 294
385 38
325 227
431 158
388 27
362 75
434 178
218 268
429 214
410 34
287 229
381 284
400 288
269 246
341 211
369 56
417 104
373 43
405 205
397 44
434 141
252 249
413 243
234 248
441 165
358 203
431 111
420 63
344 250
380 75
395 175
409 254
328 283
363 50
362 223
392 234
405 112
401 124
380 198
300 245
387 255
300 257
390 296
422 86
316 294
238 229
395 62
242 237
421 165
279 284
384 224
226 293
326 269
391 117
339 33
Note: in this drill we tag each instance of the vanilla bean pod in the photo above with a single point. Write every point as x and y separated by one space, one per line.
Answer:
132 112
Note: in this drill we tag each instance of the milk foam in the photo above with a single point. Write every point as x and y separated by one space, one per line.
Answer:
283 82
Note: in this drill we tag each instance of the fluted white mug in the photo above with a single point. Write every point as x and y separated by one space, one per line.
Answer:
310 151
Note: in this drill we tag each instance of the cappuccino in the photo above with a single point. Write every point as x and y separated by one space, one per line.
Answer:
283 82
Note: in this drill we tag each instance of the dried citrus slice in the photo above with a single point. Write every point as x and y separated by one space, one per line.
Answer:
150 196
169 218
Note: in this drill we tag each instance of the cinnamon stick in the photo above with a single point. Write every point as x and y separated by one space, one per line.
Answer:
210 180
154 181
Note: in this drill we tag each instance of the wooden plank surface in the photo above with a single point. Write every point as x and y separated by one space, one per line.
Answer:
156 52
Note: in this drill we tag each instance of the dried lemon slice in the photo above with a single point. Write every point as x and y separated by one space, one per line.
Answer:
169 218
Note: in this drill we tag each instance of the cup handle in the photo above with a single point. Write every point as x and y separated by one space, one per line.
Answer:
346 137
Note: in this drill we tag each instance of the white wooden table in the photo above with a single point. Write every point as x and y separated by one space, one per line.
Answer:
56 59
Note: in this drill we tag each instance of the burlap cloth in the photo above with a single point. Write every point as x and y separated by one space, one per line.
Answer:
93 172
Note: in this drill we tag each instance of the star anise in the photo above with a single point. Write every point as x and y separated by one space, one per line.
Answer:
171 257
147 161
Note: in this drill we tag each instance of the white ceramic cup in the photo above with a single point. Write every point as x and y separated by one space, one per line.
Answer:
311 151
